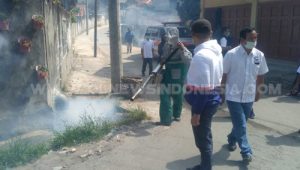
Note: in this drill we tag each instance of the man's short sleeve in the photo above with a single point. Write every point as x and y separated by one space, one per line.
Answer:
223 42
263 67
227 63
298 71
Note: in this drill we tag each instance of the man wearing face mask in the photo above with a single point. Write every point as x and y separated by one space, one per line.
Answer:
171 93
244 70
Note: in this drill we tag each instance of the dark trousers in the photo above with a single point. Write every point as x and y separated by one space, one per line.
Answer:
203 137
145 62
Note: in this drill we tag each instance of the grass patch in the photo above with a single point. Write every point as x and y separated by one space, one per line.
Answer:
91 129
19 152
87 130
134 115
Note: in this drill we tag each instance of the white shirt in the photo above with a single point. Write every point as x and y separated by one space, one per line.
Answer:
223 42
242 71
148 46
298 71
206 67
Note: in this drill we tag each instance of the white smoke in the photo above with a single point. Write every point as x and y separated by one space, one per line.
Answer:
140 17
69 111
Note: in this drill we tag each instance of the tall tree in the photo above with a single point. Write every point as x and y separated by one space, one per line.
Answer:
69 4
188 9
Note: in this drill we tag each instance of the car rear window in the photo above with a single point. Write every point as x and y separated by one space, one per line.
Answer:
153 32
184 32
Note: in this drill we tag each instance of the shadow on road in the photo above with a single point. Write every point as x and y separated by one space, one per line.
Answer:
104 72
292 139
141 131
221 158
287 99
182 164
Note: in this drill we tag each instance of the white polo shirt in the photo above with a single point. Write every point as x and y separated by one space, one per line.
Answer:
242 71
298 71
223 42
148 46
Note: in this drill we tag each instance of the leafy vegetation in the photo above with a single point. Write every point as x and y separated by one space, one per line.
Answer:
188 10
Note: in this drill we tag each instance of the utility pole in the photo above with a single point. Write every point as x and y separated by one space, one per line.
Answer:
95 29
202 8
115 44
254 5
87 17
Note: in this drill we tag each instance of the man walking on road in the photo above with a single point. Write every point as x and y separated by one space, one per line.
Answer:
129 39
147 54
244 70
203 80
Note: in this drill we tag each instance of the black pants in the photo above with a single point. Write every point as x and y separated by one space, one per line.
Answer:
203 137
145 62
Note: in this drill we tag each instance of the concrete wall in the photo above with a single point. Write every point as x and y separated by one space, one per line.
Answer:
20 90
59 36
16 69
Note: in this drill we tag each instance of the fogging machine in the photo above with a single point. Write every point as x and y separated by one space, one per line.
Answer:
153 74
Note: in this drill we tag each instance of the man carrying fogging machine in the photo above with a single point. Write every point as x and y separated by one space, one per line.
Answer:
173 69
173 77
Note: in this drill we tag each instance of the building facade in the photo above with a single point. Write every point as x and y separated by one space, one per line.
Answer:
277 22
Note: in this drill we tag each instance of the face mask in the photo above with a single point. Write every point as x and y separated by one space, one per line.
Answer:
227 34
250 45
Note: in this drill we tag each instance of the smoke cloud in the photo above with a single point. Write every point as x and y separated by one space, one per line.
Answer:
69 111
139 17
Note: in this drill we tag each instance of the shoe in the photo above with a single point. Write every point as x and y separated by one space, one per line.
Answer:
231 147
177 119
197 167
252 115
247 158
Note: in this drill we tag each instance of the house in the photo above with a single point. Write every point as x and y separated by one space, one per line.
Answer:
277 22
